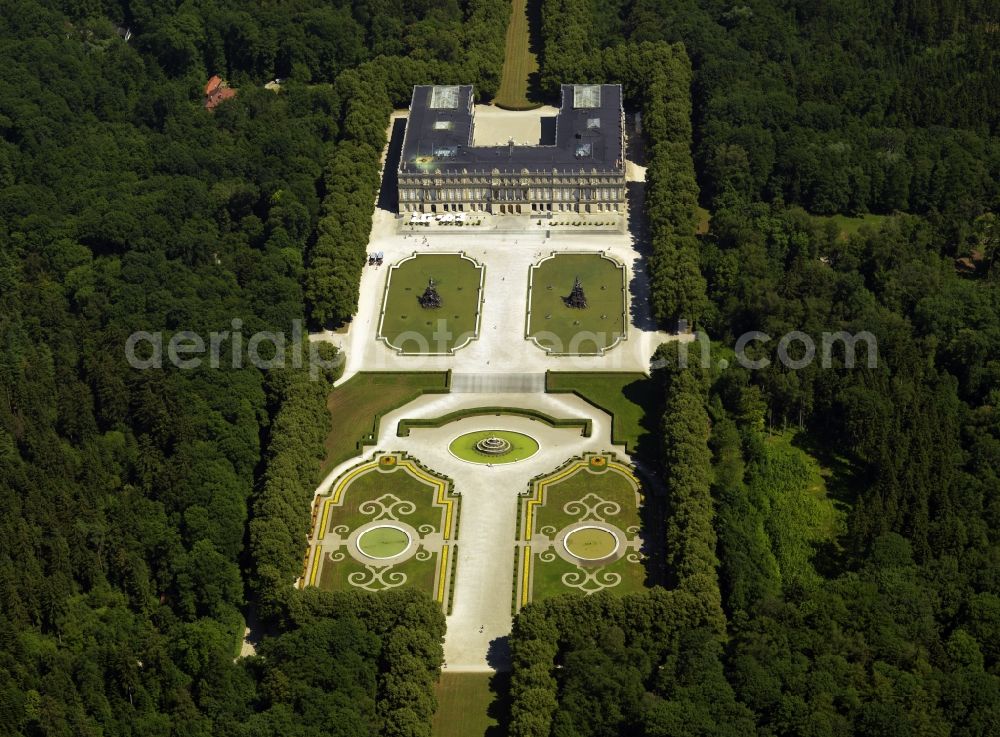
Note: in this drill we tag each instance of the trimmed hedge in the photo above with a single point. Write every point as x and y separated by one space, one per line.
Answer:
659 75
405 425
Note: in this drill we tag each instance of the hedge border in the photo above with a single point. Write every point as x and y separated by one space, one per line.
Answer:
514 608
450 604
407 424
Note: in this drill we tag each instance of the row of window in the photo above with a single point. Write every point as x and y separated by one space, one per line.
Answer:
515 208
538 178
603 194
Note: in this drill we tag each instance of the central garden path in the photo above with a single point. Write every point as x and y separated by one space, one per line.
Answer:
501 347
519 61
481 618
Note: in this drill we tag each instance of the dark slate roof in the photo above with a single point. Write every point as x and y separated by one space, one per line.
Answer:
440 138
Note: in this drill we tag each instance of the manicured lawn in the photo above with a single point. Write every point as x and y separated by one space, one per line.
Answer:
355 404
610 486
634 400
373 485
350 575
591 543
412 329
469 705
588 331
519 63
383 542
548 578
587 496
521 446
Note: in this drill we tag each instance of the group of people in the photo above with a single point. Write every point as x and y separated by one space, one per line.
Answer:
375 259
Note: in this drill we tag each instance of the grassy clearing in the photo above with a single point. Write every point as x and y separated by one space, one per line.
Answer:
829 521
355 405
587 331
704 221
413 329
634 400
848 226
803 520
471 705
521 446
519 63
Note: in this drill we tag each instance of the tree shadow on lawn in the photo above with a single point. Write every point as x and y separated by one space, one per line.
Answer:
500 707
498 654
648 394
653 515
535 46
548 135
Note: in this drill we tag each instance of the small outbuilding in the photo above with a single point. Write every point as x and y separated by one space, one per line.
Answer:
217 90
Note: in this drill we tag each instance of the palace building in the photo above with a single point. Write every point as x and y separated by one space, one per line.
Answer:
581 170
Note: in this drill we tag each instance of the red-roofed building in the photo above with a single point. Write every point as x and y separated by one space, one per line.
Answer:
216 90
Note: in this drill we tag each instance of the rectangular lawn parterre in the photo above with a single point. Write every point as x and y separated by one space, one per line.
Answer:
558 328
633 398
355 405
408 327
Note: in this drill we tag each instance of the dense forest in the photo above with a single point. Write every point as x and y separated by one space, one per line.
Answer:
141 510
874 610
840 107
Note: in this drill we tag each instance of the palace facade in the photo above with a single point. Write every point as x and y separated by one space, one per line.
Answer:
581 170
